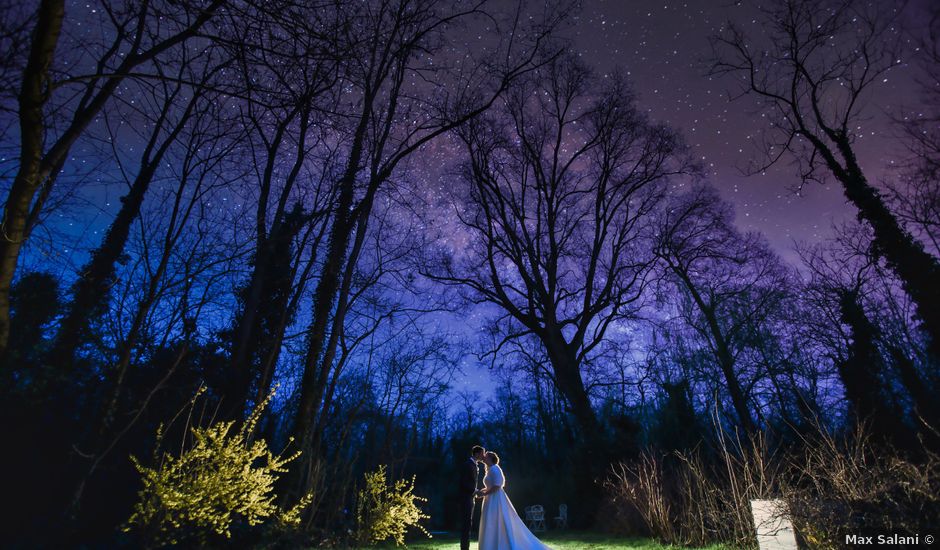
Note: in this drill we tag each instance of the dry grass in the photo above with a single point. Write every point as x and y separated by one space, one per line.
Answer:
697 502
832 486
850 485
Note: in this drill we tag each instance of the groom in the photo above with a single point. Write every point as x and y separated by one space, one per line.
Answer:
467 477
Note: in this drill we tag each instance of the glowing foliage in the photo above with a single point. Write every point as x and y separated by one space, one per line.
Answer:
224 475
386 511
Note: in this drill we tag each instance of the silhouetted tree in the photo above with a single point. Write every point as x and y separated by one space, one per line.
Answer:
861 372
90 292
559 187
288 72
730 284
389 46
864 328
140 34
812 78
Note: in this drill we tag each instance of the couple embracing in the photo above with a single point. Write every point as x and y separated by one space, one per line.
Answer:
501 528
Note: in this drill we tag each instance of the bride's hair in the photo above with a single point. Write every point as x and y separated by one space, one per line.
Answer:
493 456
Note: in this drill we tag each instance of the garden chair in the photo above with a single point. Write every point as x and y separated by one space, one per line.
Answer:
561 520
537 523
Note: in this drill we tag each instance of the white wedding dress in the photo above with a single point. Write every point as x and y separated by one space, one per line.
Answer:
501 528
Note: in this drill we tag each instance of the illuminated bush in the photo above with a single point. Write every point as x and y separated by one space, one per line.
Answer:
222 477
386 511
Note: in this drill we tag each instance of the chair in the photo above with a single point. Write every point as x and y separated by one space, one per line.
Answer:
535 518
528 517
561 521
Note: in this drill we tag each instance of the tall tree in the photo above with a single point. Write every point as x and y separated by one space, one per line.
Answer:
730 284
287 72
392 109
90 292
140 34
559 185
812 73
866 330
862 368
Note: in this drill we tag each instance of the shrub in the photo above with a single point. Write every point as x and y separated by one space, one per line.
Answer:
222 477
831 485
684 499
852 485
385 511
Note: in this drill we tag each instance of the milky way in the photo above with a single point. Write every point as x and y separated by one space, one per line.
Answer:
663 49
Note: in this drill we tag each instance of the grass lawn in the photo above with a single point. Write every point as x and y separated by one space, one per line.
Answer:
560 541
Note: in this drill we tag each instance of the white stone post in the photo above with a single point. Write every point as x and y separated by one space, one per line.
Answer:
774 530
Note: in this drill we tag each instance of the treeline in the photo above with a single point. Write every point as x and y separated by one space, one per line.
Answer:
272 236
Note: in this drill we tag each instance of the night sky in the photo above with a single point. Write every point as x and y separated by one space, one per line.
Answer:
661 46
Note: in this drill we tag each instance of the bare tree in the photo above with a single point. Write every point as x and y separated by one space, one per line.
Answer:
400 362
864 326
915 194
140 34
397 99
287 76
730 284
90 293
560 182
812 74
175 245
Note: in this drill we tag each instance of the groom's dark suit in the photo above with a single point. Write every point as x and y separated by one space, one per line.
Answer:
467 473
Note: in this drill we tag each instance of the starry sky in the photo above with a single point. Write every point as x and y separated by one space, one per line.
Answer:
662 46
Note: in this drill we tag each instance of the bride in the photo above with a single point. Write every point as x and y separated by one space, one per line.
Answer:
500 525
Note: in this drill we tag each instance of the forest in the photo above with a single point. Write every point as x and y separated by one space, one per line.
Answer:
269 269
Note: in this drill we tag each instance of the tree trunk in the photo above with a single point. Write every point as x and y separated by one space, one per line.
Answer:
243 335
32 98
738 399
273 352
267 310
591 451
914 266
246 325
723 354
568 379
311 389
860 371
90 292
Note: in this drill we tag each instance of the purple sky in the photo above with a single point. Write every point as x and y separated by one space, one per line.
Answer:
661 46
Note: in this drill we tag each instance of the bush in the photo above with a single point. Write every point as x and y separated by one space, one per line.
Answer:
686 500
386 511
831 486
851 485
222 477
